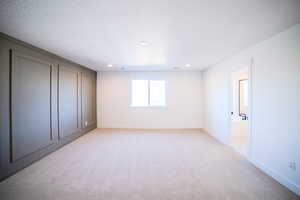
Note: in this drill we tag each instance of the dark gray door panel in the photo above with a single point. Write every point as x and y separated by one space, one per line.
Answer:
28 104
31 127
88 99
39 103
69 101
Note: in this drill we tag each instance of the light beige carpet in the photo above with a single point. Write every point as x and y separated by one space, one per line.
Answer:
143 165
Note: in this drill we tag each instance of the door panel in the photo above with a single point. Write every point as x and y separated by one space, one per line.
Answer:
69 91
88 99
35 104
31 128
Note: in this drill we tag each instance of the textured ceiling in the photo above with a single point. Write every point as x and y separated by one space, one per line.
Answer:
97 32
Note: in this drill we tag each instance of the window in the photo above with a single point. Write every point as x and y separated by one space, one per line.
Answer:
148 93
157 93
140 96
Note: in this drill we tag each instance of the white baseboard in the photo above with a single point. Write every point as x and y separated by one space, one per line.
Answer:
281 179
215 137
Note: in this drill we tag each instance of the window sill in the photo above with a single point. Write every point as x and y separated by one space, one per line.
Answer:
131 106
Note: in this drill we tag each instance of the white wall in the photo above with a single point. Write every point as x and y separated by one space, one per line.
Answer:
276 103
183 97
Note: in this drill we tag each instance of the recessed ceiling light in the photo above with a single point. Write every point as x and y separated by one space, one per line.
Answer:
187 65
143 43
109 65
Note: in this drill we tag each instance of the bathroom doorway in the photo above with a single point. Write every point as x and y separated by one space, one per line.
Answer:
240 106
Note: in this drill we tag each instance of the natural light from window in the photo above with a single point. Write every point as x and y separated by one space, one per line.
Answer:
146 93
157 93
139 92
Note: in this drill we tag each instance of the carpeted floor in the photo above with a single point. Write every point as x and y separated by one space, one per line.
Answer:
143 165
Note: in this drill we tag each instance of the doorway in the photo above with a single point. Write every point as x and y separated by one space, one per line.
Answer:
240 107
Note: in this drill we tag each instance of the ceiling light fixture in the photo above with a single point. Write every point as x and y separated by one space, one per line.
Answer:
187 65
143 43
109 65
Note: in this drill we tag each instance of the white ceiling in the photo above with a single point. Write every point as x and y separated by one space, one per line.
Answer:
100 32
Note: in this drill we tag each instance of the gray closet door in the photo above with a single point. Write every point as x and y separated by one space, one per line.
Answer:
40 103
69 101
88 99
31 127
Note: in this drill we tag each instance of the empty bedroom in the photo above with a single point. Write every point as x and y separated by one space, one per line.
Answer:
148 99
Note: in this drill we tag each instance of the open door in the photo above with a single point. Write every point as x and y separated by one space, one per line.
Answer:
239 123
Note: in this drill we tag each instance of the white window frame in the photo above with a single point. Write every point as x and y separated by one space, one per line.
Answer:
149 96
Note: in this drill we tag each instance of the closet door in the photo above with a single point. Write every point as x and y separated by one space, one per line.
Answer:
40 103
89 119
69 101
31 105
